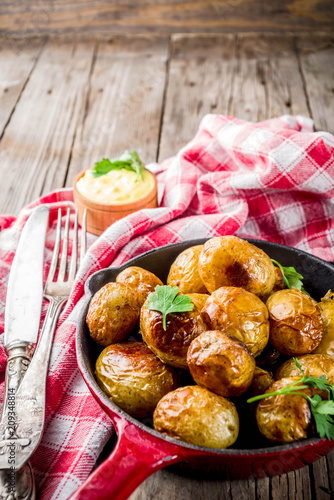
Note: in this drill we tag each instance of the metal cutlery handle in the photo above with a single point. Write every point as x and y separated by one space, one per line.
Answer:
30 397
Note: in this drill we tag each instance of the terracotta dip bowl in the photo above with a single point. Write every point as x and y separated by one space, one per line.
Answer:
101 216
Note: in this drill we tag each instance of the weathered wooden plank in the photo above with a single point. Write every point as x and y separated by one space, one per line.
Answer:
17 60
258 80
279 487
125 101
199 82
244 490
165 485
320 482
267 82
36 146
164 16
262 491
330 468
317 61
299 484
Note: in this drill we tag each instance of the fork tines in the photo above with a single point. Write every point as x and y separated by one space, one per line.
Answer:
64 252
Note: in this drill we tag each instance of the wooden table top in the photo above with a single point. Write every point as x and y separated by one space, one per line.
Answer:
66 102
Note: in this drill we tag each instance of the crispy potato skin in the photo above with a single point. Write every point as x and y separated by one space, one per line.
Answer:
142 281
112 314
171 346
195 415
231 261
313 365
268 356
326 306
221 363
295 322
285 418
239 313
134 378
279 281
262 379
184 272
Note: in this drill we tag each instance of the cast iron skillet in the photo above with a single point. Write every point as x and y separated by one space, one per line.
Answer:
140 450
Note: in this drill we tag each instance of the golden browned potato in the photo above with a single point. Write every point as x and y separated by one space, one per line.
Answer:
184 272
313 365
142 281
279 280
231 261
295 322
268 357
283 418
262 379
221 363
239 313
326 306
134 378
112 314
195 415
171 345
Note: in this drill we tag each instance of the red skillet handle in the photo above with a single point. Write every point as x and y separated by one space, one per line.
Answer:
137 455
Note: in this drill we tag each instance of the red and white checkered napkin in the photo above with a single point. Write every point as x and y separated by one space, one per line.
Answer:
272 180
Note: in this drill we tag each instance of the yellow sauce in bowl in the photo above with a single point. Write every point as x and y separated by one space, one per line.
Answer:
116 187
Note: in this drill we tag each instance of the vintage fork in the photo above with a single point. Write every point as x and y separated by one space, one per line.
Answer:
30 397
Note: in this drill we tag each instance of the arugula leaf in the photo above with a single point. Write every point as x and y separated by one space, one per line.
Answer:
166 299
127 161
320 409
291 277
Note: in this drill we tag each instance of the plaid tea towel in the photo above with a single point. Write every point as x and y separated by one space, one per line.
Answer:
272 180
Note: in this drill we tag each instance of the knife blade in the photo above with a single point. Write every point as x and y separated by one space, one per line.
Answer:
25 285
22 318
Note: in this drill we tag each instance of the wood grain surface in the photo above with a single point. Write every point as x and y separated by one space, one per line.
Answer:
70 102
163 16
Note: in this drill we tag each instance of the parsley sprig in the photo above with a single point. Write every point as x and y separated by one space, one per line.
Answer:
291 277
127 161
166 299
320 409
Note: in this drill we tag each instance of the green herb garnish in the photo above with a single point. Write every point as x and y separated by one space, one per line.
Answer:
127 161
291 277
166 299
320 409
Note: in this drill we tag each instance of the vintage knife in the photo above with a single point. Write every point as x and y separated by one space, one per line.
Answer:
22 318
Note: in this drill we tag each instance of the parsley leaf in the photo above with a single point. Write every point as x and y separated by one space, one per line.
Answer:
320 409
291 277
166 299
127 161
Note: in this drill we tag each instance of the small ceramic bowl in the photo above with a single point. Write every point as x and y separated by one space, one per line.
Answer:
101 216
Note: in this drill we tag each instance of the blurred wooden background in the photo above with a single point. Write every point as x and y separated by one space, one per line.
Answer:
163 16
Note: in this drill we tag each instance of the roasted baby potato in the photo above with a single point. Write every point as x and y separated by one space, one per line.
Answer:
283 418
239 313
262 379
279 280
195 415
134 378
326 306
295 322
171 345
313 365
142 281
112 313
221 363
231 261
184 272
268 357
